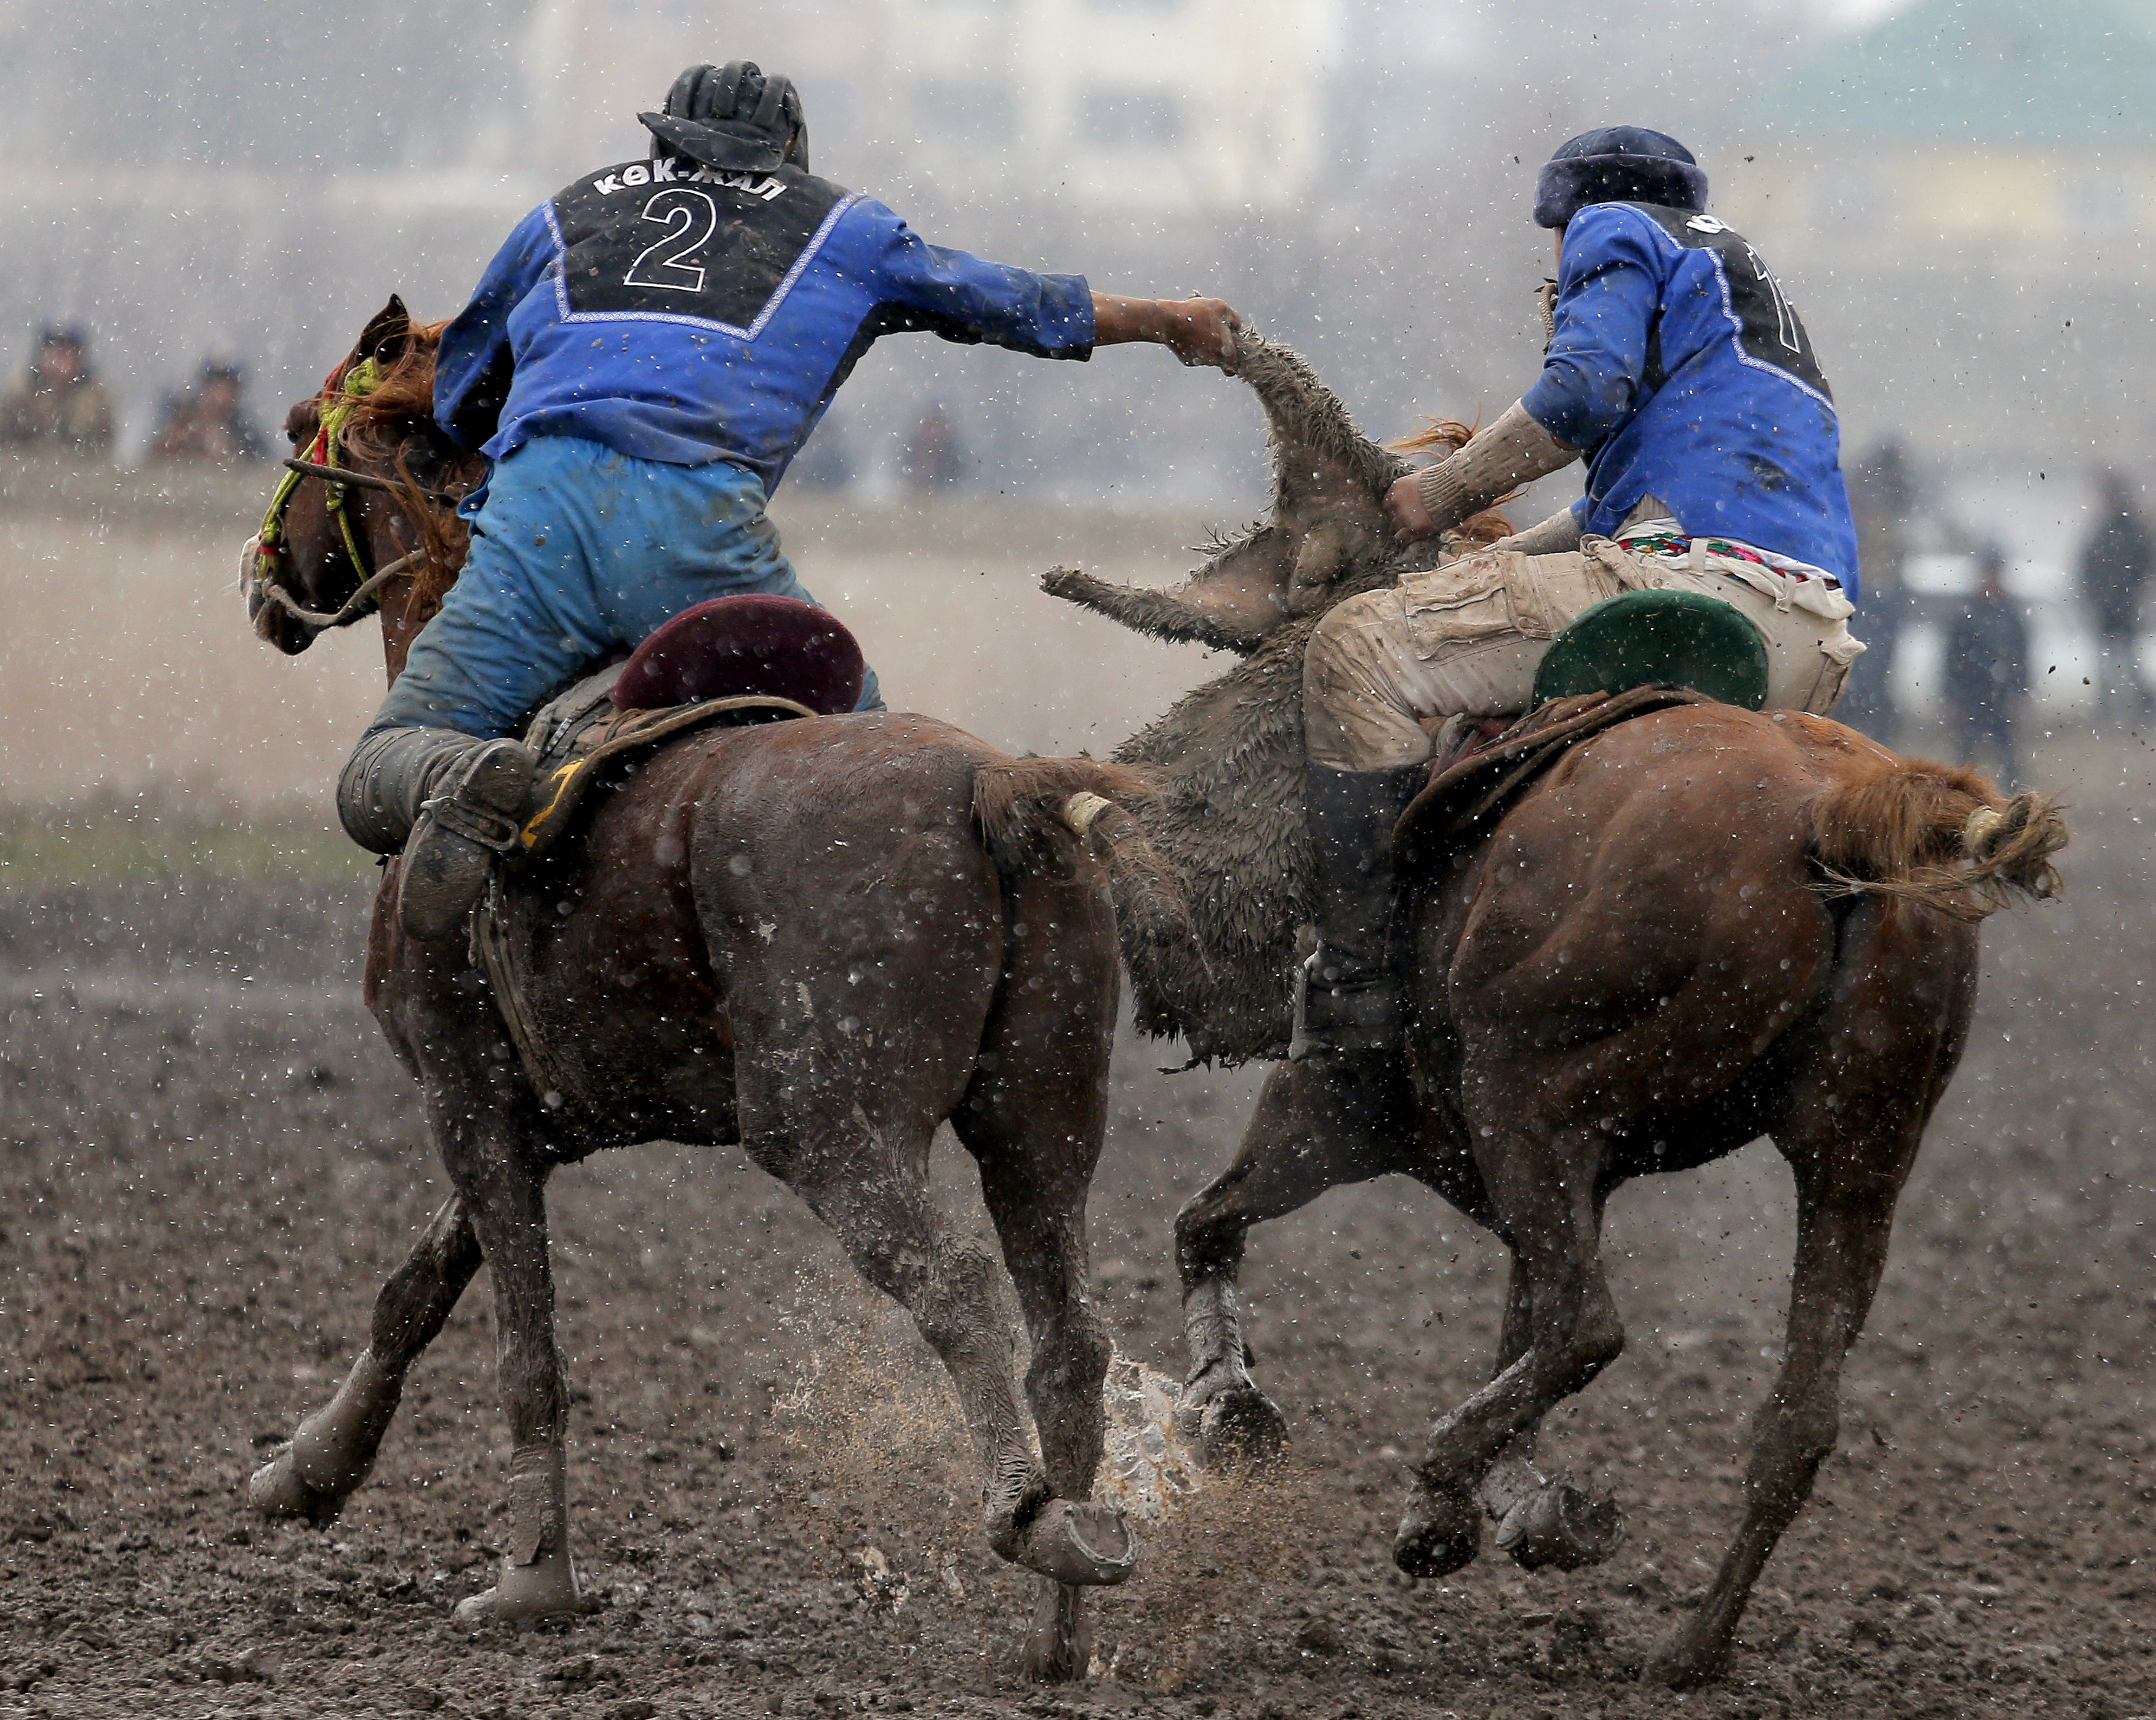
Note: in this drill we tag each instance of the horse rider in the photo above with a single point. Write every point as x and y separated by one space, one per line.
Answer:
640 361
1677 368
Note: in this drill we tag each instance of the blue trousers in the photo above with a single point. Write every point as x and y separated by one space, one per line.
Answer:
578 551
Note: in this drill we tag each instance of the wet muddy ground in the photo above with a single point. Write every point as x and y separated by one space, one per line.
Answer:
208 1162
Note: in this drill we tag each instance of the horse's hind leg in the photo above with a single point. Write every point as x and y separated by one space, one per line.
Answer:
869 1183
333 1450
1304 1137
1541 1178
1855 1119
1034 1119
1841 1249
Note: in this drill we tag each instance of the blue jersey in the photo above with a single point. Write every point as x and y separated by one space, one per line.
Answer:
679 313
1681 371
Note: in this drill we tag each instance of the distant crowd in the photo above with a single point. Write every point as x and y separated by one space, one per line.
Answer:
59 404
1987 675
1987 678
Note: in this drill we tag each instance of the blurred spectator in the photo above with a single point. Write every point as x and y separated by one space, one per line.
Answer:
210 424
1883 496
1987 667
933 458
59 404
2115 563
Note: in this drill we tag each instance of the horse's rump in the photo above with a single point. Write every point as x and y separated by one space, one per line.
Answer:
821 812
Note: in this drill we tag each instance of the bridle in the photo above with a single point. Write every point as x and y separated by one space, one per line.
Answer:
346 385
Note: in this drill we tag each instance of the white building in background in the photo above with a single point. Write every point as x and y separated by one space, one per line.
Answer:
1157 106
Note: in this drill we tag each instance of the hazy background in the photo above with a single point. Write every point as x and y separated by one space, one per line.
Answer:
1943 185
1959 194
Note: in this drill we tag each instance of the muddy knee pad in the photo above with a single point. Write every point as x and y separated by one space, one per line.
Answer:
390 775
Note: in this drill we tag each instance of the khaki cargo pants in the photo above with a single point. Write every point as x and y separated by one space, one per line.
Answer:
1467 637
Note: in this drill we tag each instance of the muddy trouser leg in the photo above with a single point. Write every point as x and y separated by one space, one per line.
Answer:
1368 683
390 776
1810 653
1467 637
1374 670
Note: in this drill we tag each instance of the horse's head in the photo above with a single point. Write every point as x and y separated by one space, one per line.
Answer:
1323 538
383 536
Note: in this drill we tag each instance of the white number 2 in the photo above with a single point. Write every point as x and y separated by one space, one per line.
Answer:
690 218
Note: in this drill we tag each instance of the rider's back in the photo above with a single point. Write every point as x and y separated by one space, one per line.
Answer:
686 314
1683 373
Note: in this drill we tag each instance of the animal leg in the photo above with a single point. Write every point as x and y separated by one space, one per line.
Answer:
1540 1522
1841 1251
1305 1137
506 1192
1541 1183
333 1449
1037 1138
878 1206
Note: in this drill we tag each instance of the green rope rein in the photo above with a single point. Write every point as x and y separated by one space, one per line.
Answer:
353 384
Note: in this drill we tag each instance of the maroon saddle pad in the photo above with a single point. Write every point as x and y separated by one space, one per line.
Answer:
730 647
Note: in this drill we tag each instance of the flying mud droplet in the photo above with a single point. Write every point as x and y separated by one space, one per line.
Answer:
1147 1470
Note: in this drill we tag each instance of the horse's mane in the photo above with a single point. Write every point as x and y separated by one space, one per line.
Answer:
394 423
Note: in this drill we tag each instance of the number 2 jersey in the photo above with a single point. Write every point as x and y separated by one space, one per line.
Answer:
1681 371
681 313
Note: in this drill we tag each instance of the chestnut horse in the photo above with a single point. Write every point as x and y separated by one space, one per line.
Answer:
820 939
1700 926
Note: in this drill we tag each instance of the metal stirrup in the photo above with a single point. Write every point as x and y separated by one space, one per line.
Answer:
481 824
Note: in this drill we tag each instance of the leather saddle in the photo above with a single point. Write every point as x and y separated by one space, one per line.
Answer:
1475 781
728 662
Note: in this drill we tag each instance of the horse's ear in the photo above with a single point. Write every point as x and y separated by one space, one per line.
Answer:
387 333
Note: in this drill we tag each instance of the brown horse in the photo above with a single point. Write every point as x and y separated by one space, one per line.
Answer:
1700 927
820 939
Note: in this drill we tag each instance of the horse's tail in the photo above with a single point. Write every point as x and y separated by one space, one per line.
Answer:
1938 836
1028 809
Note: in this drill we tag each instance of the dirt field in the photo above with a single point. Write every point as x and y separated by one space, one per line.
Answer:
207 1162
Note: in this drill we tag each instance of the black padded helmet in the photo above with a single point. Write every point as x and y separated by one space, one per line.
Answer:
1617 164
733 117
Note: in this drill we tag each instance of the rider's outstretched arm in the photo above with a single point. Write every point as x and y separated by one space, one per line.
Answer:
1197 331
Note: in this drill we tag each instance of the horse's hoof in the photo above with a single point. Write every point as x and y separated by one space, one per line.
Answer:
1084 1544
1559 1525
1059 1647
1239 1428
475 1612
529 1595
1439 1532
275 1490
1688 1661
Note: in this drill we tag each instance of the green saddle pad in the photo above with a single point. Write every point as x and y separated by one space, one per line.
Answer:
1641 638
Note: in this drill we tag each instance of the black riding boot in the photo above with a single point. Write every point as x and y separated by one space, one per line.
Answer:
449 801
1347 997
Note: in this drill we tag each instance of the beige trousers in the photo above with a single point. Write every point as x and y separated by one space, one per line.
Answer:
1467 637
